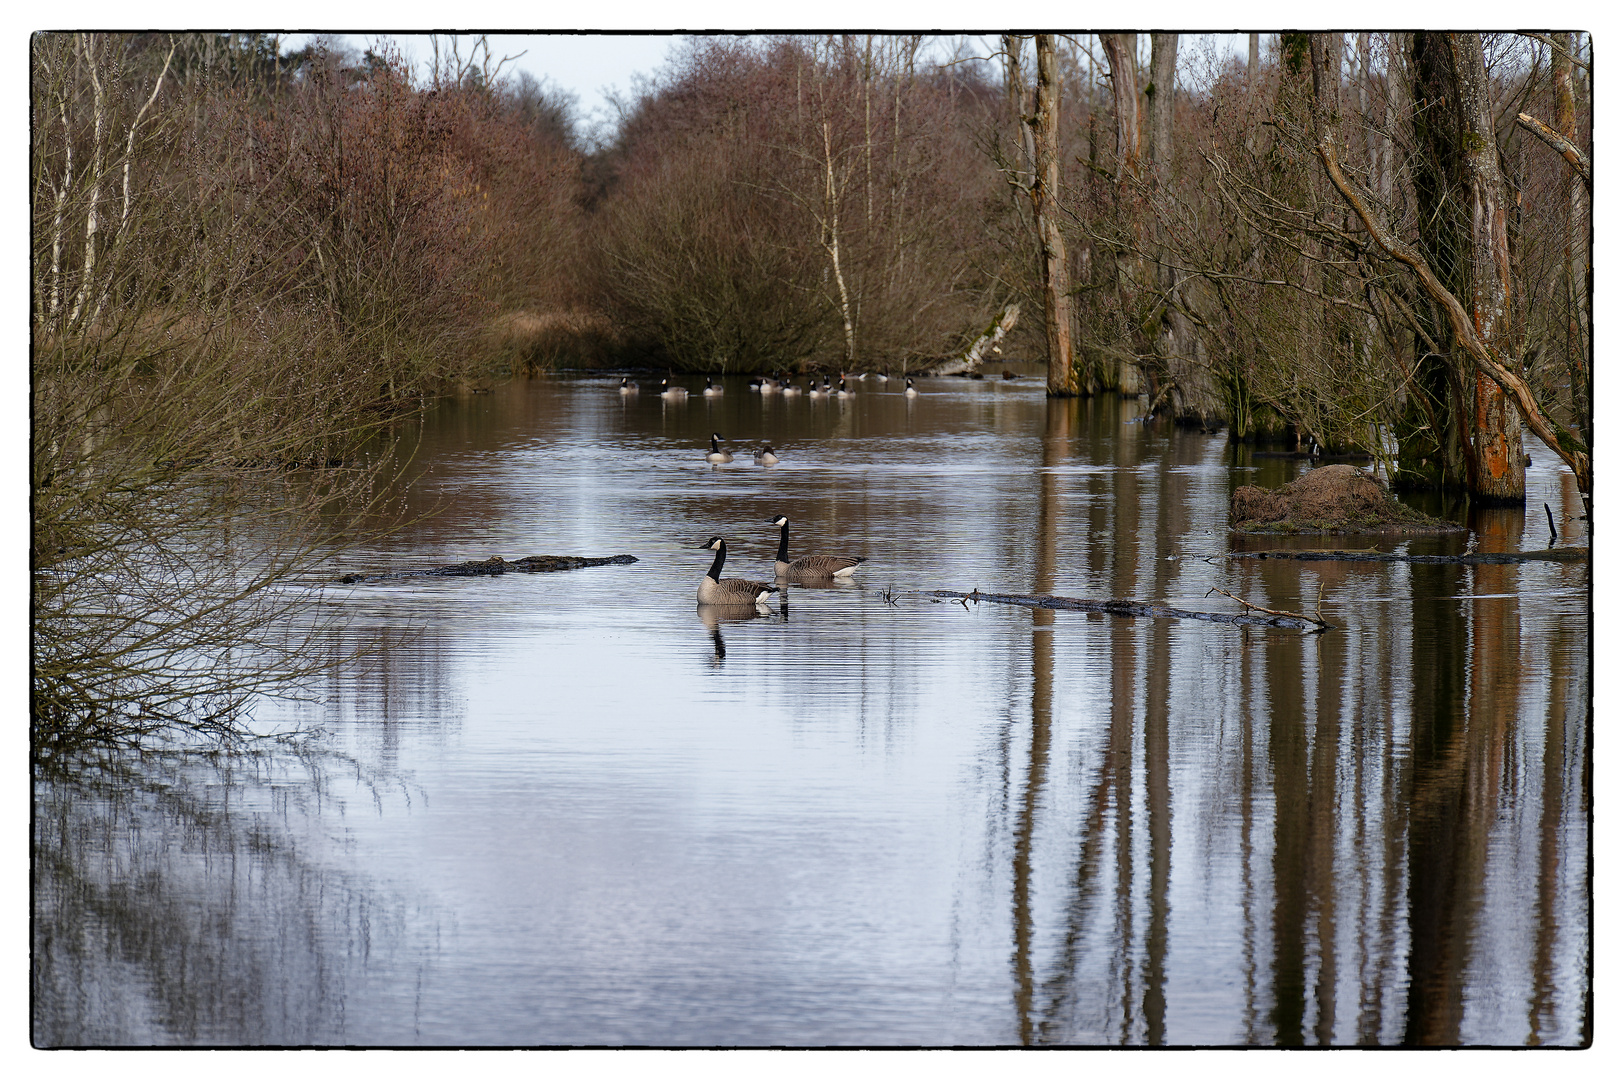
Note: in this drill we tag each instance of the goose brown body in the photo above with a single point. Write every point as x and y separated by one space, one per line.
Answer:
715 589
810 567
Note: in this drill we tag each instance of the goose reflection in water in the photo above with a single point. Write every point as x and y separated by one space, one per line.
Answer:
713 616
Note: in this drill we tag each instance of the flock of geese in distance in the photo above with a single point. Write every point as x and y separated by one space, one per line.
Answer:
769 385
719 591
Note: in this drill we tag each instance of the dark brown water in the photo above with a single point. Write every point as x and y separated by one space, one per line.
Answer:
574 809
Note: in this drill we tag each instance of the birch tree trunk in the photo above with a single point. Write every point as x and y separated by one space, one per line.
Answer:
58 219
831 241
98 168
129 159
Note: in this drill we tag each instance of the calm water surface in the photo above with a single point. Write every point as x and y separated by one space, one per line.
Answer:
573 808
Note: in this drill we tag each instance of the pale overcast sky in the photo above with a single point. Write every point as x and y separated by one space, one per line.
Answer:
588 65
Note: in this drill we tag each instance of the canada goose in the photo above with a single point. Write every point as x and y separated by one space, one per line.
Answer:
710 389
842 391
815 391
671 393
765 456
826 387
809 567
713 589
882 377
717 456
627 386
789 388
910 392
757 385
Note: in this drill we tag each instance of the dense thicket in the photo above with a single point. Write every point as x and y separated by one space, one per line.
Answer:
245 265
799 203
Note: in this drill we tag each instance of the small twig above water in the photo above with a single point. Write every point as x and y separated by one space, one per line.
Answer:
1316 618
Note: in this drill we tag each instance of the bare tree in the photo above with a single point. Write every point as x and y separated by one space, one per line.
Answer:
1474 309
1044 192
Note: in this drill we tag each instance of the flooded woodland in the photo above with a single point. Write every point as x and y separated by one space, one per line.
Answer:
381 691
575 808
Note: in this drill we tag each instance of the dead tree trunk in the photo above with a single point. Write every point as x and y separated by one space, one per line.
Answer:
1044 191
1121 53
1496 437
1480 334
1178 348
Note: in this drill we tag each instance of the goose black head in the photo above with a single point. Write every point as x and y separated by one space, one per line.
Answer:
779 520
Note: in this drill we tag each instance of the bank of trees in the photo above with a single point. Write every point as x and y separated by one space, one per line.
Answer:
1350 239
246 264
798 203
1352 242
248 261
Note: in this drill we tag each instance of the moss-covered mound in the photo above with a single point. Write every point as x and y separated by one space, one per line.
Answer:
1332 499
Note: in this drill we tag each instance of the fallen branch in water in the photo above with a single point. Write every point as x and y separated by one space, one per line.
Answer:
1132 609
1317 618
531 564
1560 554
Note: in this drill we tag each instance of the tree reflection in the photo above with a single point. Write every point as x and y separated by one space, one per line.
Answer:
174 904
1363 784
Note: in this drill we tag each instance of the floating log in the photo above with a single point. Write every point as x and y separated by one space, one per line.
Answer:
1133 610
1476 558
531 564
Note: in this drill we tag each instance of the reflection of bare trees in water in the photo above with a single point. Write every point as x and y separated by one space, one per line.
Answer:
1365 800
175 904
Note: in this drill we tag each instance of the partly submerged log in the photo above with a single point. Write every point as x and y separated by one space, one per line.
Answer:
1475 558
1132 609
1331 499
971 360
532 564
